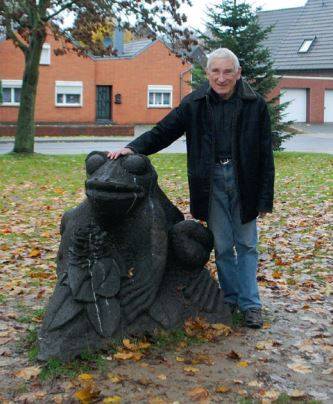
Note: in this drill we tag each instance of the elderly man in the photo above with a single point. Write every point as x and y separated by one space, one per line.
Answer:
230 171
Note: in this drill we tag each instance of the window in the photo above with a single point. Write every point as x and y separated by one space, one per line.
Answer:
159 96
45 57
11 92
305 47
68 94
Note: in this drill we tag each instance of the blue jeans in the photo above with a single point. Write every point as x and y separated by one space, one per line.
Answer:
235 243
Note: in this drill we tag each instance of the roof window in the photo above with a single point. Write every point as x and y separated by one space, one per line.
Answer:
306 45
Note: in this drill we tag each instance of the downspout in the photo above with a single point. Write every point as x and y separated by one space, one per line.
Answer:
181 75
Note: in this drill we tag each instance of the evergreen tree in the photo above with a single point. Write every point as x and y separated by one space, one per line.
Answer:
236 27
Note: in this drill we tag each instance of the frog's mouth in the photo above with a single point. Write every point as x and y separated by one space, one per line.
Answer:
112 191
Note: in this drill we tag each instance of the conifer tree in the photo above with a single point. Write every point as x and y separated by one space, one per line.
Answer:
236 26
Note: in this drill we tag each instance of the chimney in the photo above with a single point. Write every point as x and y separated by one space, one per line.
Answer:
118 41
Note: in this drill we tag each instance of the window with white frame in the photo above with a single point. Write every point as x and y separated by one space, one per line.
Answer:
159 96
11 92
45 57
69 94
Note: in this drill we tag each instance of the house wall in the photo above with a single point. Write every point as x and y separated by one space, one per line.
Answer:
128 77
68 67
316 84
131 77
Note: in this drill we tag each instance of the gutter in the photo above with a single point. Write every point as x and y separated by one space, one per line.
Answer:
181 76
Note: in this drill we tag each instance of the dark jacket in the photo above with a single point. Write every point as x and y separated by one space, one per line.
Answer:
251 148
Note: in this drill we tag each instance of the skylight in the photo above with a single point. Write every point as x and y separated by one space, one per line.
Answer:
304 48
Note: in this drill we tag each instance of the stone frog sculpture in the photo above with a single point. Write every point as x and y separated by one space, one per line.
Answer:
128 263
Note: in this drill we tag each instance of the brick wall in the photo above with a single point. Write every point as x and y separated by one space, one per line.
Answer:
131 77
128 77
69 67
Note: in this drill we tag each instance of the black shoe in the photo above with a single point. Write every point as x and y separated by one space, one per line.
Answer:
253 318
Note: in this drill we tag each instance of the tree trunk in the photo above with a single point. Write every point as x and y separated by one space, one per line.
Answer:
25 132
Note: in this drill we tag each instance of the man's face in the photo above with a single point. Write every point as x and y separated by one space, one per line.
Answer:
222 76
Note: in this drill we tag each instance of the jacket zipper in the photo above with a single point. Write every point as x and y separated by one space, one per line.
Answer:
213 126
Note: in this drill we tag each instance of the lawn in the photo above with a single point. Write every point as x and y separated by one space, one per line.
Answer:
295 245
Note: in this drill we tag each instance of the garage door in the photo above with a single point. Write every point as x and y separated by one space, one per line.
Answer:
328 112
296 110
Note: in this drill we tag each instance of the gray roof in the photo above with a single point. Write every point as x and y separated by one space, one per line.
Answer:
292 26
131 49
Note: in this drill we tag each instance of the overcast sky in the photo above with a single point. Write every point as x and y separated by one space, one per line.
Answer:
196 13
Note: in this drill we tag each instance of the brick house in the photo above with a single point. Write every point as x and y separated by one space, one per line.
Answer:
139 86
301 45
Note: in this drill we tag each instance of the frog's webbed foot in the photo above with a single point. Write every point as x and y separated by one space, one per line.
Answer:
191 244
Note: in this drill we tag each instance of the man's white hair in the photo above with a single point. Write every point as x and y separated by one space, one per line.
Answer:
223 53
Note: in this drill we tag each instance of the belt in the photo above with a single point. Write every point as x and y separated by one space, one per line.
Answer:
224 161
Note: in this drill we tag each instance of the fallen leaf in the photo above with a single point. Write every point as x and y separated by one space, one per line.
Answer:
222 389
116 378
86 395
180 359
112 400
198 393
85 377
34 253
157 400
233 355
161 376
243 364
297 394
190 370
28 372
299 367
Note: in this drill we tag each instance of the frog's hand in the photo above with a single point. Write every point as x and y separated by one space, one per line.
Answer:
191 244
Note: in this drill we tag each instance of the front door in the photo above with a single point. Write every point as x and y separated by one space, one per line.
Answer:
103 103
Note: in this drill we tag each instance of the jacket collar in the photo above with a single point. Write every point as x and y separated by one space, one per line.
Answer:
245 91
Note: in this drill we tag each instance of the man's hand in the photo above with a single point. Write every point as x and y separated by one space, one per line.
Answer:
113 155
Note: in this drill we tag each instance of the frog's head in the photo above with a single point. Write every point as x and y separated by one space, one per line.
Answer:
115 187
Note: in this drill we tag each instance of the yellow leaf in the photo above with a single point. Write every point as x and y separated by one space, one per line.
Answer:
299 367
85 376
116 378
129 345
222 389
35 252
157 400
143 345
161 377
180 359
29 372
222 328
112 400
243 364
86 395
190 370
277 274
198 393
123 355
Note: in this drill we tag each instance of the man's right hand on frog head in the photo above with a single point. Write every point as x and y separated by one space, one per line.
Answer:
113 155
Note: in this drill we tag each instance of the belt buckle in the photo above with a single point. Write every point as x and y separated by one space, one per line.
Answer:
225 161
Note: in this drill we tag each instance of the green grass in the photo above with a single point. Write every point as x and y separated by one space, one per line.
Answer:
54 368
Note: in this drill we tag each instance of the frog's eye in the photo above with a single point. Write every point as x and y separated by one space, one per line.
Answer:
135 164
95 160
